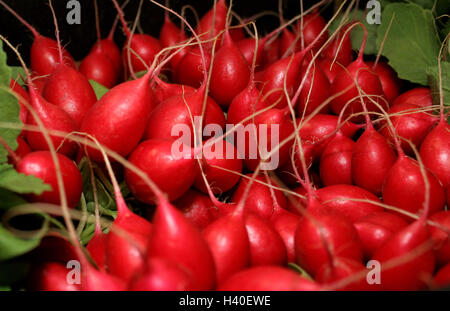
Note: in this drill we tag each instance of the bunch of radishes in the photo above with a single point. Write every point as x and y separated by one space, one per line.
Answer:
363 174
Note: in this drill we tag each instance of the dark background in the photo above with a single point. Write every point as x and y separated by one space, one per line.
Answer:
78 39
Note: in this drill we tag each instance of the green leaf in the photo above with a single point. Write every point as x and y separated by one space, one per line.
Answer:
11 180
5 288
412 44
9 199
5 71
13 271
99 89
426 4
12 246
16 73
433 79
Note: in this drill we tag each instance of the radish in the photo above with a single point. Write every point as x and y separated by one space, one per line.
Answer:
442 277
419 96
176 239
342 270
271 52
54 247
286 223
339 50
310 29
329 69
40 165
340 198
163 90
213 22
132 99
190 68
247 48
145 46
197 207
22 149
20 91
155 158
264 202
44 51
162 275
376 228
336 161
266 245
51 276
268 278
388 78
219 155
441 237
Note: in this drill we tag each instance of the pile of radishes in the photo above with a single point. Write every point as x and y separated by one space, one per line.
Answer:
363 170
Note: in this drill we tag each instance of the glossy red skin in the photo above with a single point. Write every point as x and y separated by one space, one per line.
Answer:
228 240
162 275
345 55
404 187
245 104
268 278
336 231
297 204
336 161
19 90
260 199
197 207
219 180
247 48
367 80
389 80
287 173
97 248
413 126
276 74
22 150
190 69
171 35
338 197
154 157
45 56
271 52
215 16
377 228
343 269
435 152
94 280
51 276
164 91
118 120
40 165
314 92
237 34
286 224
176 239
123 258
230 73
173 112
287 39
68 89
329 70
442 277
39 83
95 66
266 245
412 274
440 237
54 248
143 45
372 159
111 50
313 24
320 126
285 129
419 96
53 118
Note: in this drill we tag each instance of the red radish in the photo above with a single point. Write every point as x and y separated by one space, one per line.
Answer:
197 207
171 35
376 228
247 48
230 73
404 187
409 125
190 69
329 69
290 174
94 280
156 159
54 248
314 92
222 154
162 275
339 50
268 278
287 39
340 198
286 223
51 276
323 235
440 237
132 99
213 22
228 240
145 46
389 80
310 28
372 159
266 245
435 151
22 150
271 52
176 239
20 91
262 202
358 73
342 270
442 277
40 164
420 96
297 203
97 246
336 161
237 34
163 90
